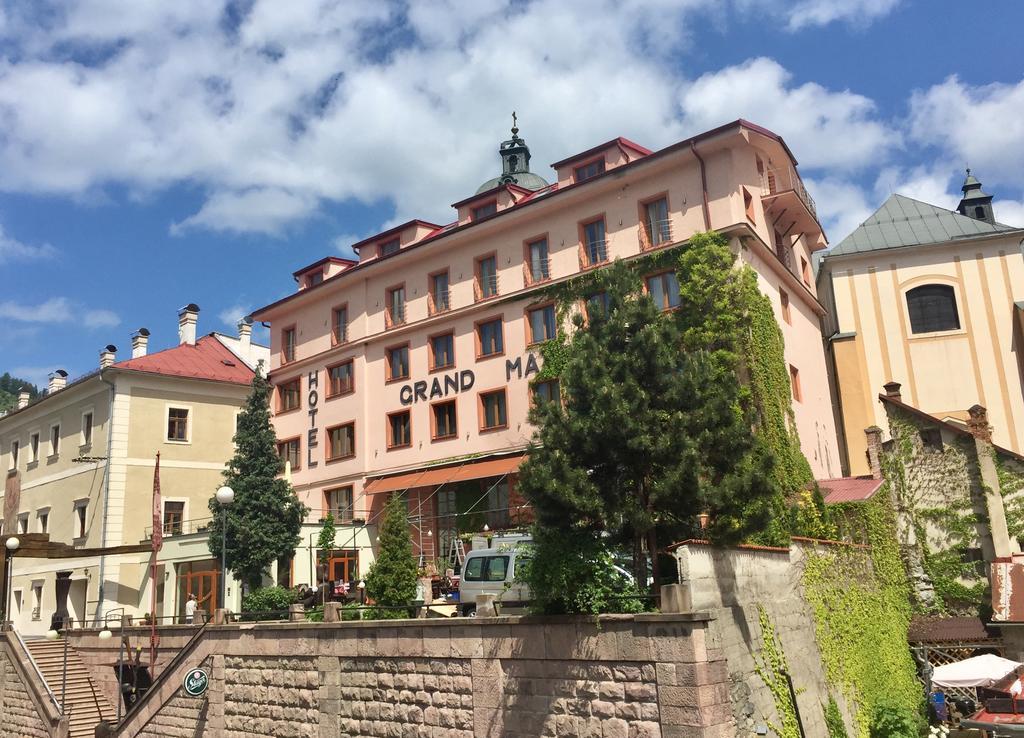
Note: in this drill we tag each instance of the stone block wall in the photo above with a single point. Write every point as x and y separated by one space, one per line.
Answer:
19 716
644 676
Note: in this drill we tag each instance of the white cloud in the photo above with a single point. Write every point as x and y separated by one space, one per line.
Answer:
230 316
276 107
841 205
822 12
977 126
12 249
37 375
100 319
54 310
828 129
1010 212
930 184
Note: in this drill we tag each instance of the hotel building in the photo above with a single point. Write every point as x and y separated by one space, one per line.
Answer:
82 456
409 369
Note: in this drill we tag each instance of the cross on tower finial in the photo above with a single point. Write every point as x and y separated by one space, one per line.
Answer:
515 130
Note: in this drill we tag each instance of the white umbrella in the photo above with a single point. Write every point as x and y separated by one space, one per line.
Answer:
978 671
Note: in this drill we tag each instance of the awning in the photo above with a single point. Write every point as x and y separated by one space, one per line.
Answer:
978 671
436 476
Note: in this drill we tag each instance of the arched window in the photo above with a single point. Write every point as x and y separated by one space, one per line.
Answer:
932 308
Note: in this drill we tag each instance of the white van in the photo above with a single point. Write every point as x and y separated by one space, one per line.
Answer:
493 571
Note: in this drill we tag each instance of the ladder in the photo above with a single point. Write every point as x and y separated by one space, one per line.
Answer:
456 553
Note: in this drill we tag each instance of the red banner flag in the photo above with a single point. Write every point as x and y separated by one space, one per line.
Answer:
158 526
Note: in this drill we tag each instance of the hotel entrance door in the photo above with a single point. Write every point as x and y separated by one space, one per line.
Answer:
200 578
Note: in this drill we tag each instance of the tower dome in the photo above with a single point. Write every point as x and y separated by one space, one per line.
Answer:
515 165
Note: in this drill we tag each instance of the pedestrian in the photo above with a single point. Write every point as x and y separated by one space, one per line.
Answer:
190 608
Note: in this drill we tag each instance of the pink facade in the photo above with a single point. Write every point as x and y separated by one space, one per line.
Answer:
739 179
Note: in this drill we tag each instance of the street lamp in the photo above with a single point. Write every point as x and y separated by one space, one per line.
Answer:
105 635
225 496
12 546
52 635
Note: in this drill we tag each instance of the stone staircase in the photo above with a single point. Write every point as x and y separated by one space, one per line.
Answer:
85 704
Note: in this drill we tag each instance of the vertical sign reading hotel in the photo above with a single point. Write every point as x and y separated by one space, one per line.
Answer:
312 398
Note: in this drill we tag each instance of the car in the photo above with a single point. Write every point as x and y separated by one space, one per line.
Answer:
493 571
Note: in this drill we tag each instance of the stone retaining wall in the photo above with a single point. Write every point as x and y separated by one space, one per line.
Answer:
22 711
644 676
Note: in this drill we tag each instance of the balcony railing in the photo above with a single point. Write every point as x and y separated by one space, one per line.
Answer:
485 287
181 527
774 181
439 301
536 271
652 235
593 253
394 316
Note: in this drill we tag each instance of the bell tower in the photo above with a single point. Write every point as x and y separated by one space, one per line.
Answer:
975 202
515 156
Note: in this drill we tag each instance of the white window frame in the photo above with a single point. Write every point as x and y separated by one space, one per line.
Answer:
22 523
39 513
12 462
33 456
78 505
167 420
54 451
82 443
184 512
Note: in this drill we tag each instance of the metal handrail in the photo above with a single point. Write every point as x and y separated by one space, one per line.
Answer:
184 528
53 698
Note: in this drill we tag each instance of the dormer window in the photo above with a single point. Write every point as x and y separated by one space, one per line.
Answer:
588 170
482 211
314 279
388 247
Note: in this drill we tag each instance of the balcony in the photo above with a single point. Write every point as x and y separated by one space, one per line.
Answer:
781 181
485 288
593 253
394 316
536 271
655 234
439 301
181 528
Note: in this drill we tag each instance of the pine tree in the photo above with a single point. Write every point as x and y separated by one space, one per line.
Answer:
391 580
264 520
648 436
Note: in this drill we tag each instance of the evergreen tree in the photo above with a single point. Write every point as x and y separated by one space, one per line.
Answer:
264 521
391 580
650 432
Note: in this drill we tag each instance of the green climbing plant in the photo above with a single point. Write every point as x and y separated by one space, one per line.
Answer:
774 670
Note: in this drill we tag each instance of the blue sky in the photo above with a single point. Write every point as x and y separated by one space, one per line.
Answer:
154 154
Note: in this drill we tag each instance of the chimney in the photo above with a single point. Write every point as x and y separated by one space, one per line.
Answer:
978 425
892 389
108 355
140 342
245 333
58 381
188 317
23 398
874 450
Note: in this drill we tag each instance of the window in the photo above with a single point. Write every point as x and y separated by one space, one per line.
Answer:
37 600
395 308
87 429
588 170
15 449
288 345
23 523
388 247
341 442
497 505
486 277
177 424
340 379
398 362
442 351
492 410
482 211
314 279
81 508
33 448
979 213
542 323
784 299
932 308
399 430
338 502
931 439
656 223
664 290
439 301
546 392
174 516
339 324
794 381
595 248
445 424
43 516
597 305
486 569
54 439
748 204
537 261
289 395
805 271
289 451
489 338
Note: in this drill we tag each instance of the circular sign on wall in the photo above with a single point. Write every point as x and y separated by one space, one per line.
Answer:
196 682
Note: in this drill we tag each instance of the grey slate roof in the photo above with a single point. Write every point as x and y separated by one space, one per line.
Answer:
903 221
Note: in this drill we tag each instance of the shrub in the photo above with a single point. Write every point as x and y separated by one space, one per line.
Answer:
889 720
268 599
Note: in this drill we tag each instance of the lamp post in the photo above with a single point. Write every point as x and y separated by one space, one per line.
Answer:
105 635
12 546
52 635
225 496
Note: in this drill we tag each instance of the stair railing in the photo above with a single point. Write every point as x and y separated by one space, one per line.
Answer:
49 692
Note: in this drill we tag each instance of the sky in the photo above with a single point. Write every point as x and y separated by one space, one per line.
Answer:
154 154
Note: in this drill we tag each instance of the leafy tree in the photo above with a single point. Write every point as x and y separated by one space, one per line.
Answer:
325 544
651 432
264 521
11 387
391 580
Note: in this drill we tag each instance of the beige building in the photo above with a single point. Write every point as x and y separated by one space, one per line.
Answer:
83 456
932 299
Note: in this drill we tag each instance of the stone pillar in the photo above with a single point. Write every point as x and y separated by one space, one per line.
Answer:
485 606
215 697
874 450
296 612
982 432
892 389
676 598
488 690
329 692
332 612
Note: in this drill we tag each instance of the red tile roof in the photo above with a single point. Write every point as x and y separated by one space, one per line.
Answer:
947 629
848 489
208 359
